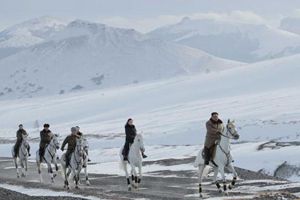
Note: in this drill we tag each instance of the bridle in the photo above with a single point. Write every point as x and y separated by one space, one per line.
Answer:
24 144
53 146
228 131
79 151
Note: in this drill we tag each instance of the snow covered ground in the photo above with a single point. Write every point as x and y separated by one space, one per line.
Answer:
263 98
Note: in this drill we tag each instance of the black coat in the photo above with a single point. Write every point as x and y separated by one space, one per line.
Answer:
20 134
130 133
46 137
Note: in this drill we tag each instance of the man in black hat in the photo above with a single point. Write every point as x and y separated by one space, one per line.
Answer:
20 134
46 137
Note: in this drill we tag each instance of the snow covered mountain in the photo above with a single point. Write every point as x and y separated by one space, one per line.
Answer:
231 40
84 55
28 33
291 24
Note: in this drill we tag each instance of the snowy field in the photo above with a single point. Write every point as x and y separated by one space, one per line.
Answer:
171 115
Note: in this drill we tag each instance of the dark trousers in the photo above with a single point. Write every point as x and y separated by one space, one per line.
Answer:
42 150
16 148
68 156
126 149
207 155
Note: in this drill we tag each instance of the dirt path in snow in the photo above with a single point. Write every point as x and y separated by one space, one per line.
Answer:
159 185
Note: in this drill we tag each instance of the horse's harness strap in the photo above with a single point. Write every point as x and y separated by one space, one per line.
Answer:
226 153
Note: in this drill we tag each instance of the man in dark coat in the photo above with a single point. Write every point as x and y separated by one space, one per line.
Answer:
214 128
130 132
20 134
46 137
71 141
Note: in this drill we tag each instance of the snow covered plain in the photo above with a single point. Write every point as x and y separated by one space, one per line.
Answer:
263 98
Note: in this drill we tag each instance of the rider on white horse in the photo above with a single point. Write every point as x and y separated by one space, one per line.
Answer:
71 141
214 128
21 133
130 132
46 136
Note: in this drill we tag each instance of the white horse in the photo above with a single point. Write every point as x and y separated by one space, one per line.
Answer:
22 154
75 164
49 157
221 160
135 161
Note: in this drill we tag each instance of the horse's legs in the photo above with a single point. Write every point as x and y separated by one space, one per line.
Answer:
76 176
66 185
16 165
224 180
55 163
216 169
50 171
201 169
22 167
86 176
125 167
140 175
231 168
134 176
39 169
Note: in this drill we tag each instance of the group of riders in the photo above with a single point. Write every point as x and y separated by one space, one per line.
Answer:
46 136
216 151
214 127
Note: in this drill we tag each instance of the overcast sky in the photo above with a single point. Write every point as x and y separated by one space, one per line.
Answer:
144 15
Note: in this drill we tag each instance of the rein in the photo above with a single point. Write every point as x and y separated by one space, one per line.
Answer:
227 154
226 135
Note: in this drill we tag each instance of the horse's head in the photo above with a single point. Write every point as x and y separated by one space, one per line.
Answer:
25 141
85 144
79 147
55 141
231 130
140 142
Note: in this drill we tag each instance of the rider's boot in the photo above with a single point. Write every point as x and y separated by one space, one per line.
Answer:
144 155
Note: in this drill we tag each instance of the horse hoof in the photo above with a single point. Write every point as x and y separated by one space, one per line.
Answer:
88 183
76 187
220 191
230 187
226 193
201 196
129 189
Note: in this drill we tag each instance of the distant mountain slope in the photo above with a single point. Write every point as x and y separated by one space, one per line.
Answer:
28 33
291 24
84 56
231 40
